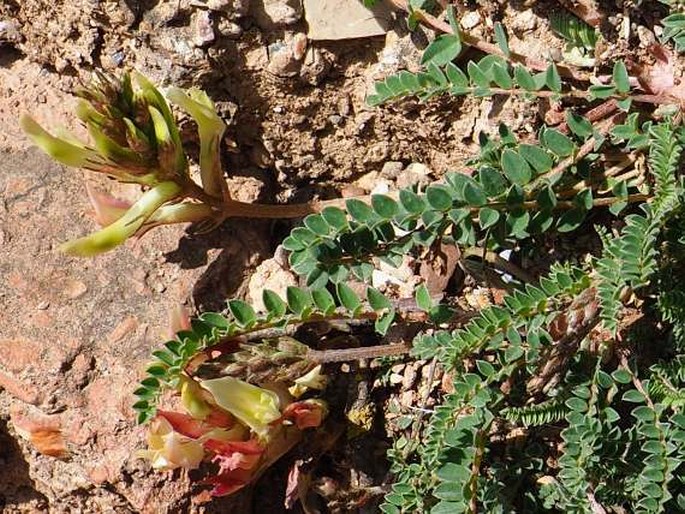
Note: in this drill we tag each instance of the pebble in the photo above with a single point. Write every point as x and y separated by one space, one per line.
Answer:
285 57
43 305
526 21
234 7
202 29
9 31
272 14
415 173
470 20
229 29
391 169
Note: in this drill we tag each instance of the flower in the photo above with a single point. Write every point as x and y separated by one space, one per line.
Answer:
306 414
232 455
311 380
211 129
168 449
254 406
125 226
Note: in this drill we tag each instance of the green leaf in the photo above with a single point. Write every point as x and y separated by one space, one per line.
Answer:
474 194
377 300
485 368
360 211
643 413
244 313
477 76
317 278
317 224
622 376
384 321
335 217
524 78
348 298
501 38
487 217
546 198
436 75
439 197
558 143
624 104
515 167
501 76
571 220
579 125
442 50
620 76
323 300
633 396
384 206
292 245
441 314
601 91
584 199
552 78
423 298
274 304
299 301
513 353
456 76
517 222
537 157
412 202
492 181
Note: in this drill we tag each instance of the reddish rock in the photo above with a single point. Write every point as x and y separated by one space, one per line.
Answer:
27 393
18 354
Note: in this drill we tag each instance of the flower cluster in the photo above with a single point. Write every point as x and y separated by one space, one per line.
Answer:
241 427
135 139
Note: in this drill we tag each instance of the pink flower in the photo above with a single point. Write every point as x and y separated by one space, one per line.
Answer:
232 455
237 461
306 414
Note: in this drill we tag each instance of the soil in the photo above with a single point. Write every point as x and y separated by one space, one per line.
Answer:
75 334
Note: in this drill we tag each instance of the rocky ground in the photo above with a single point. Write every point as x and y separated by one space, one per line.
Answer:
75 334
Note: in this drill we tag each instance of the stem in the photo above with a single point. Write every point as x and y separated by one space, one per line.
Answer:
351 354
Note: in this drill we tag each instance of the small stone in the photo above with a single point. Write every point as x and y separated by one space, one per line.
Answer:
229 29
470 20
316 66
396 378
407 398
409 377
391 169
233 7
415 173
335 119
342 19
269 275
9 31
368 181
272 14
74 289
43 305
285 57
525 21
202 29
